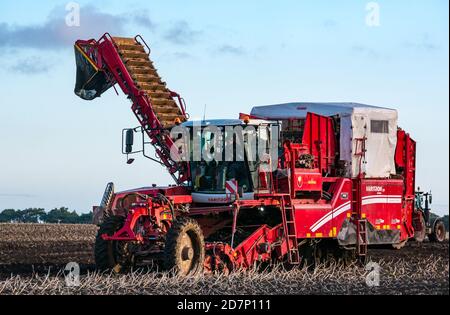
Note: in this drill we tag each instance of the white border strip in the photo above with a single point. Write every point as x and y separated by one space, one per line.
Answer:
368 200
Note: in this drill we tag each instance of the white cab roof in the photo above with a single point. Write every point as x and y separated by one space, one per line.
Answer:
299 110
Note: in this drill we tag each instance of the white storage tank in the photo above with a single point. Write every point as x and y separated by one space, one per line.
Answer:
377 124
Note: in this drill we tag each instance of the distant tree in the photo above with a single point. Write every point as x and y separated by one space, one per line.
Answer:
31 215
9 215
38 215
85 218
61 215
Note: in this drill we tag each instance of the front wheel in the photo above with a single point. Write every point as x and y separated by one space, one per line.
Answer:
110 254
184 252
438 233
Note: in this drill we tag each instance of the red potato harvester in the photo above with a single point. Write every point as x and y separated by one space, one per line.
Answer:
343 178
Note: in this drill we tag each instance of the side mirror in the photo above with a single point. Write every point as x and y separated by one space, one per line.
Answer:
129 141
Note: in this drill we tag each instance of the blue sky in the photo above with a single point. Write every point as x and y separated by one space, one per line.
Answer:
57 150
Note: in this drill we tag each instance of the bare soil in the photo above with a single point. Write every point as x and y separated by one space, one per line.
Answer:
33 257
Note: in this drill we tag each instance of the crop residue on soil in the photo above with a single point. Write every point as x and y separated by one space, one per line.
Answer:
33 255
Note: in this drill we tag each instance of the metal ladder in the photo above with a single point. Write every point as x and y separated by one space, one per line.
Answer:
361 243
361 223
290 231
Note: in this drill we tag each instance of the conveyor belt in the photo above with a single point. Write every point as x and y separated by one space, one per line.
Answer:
146 78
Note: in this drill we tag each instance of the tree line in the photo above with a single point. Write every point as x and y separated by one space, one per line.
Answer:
39 215
64 215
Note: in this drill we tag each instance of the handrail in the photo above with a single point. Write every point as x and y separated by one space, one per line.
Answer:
136 39
184 107
182 104
105 36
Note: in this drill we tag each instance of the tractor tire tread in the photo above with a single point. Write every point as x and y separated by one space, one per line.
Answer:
103 250
433 237
171 259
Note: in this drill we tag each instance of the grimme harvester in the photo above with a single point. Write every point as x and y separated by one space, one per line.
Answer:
344 179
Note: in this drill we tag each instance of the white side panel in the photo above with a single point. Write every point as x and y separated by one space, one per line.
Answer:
380 155
346 142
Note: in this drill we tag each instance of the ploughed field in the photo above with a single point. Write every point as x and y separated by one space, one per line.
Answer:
33 257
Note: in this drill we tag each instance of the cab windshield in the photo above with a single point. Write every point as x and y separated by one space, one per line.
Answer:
214 168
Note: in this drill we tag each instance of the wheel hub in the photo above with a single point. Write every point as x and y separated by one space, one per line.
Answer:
187 253
441 233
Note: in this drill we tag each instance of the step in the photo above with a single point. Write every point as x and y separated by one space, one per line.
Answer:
166 110
133 54
133 47
151 87
142 70
144 85
168 121
133 62
124 40
168 117
164 102
158 94
145 78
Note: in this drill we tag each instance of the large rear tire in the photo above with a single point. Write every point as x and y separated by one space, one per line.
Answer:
438 233
419 235
184 252
106 252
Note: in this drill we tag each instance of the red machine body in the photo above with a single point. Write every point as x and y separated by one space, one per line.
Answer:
314 201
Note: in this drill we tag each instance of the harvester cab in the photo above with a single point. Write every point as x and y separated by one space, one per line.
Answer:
221 152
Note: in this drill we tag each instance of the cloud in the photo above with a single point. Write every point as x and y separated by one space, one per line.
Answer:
362 49
182 55
181 34
17 195
330 23
142 19
230 50
424 43
32 65
54 34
